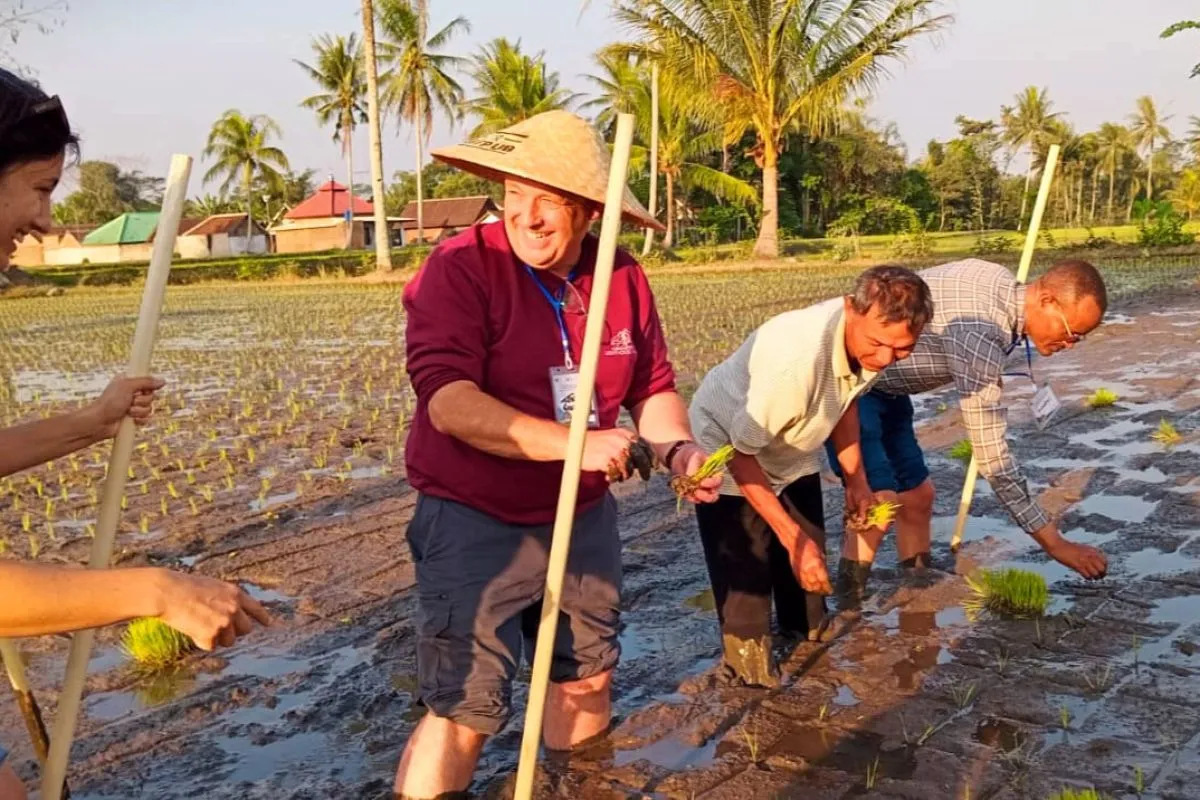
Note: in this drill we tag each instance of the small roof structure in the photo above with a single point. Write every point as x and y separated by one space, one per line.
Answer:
330 200
132 227
451 212
234 224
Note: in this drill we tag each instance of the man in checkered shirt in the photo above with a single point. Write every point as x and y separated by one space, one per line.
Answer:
982 318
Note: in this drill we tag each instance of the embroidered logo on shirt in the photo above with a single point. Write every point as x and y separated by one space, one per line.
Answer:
621 344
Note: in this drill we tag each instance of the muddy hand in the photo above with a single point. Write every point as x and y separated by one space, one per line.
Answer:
808 563
689 460
210 611
608 452
859 500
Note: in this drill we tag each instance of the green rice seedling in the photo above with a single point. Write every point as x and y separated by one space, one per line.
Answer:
153 645
162 505
1064 717
873 773
752 743
684 485
1010 593
194 506
882 514
1139 781
35 546
26 522
962 450
1099 679
1166 435
1077 794
171 490
963 694
229 482
1101 398
823 713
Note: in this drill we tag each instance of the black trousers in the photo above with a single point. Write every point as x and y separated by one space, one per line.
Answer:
748 566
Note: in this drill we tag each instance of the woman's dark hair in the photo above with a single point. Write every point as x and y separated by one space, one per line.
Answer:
33 126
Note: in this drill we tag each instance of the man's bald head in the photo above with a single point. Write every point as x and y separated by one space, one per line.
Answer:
1064 305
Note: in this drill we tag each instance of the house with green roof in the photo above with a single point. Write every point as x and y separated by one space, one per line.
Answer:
129 237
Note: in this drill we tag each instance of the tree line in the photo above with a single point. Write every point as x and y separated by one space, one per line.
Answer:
761 134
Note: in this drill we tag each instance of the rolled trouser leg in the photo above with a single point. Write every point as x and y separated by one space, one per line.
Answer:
736 552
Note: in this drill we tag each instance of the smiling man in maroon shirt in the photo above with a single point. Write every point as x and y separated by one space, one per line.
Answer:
496 319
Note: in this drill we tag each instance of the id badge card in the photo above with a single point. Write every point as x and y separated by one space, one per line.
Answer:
563 383
1045 405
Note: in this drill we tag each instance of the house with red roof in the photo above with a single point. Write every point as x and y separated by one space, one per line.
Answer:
329 220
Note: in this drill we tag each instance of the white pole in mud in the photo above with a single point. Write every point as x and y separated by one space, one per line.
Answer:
564 517
11 655
1031 237
118 462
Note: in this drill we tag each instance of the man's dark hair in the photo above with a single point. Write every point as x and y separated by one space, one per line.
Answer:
33 126
899 294
1073 281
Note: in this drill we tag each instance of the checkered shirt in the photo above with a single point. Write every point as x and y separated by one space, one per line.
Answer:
979 313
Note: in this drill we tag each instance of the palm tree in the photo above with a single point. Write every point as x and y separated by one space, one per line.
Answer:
688 132
512 86
1193 137
1179 27
1148 129
208 205
776 66
1186 195
339 73
383 240
1026 125
419 76
1114 142
620 88
239 144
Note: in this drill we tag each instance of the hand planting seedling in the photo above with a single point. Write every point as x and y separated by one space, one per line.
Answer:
1010 593
683 485
1101 398
154 645
1166 435
962 450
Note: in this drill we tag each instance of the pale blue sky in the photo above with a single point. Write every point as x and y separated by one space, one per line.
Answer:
144 79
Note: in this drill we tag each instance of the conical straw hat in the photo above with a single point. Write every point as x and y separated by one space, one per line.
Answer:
557 149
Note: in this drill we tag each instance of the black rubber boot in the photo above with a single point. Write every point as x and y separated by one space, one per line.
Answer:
852 582
750 662
919 561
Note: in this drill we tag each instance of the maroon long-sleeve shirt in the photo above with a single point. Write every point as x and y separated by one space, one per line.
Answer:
474 313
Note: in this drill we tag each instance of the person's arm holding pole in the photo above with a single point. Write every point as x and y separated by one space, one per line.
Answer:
114 485
568 491
1031 237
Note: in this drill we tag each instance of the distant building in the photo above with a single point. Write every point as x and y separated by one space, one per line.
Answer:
448 216
222 235
325 222
62 245
129 237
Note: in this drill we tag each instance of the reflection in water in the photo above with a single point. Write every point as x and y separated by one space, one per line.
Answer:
1001 734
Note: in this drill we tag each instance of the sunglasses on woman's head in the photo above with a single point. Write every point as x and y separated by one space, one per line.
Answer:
51 108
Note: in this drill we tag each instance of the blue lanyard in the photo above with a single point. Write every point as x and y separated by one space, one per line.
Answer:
1028 357
556 303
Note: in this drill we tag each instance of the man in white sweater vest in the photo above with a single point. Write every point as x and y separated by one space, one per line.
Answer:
789 387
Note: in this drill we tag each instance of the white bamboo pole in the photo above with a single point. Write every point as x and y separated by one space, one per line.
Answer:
653 156
118 462
569 488
1031 237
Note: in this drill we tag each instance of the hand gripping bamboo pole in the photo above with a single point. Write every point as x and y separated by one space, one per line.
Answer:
1031 236
118 463
564 518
